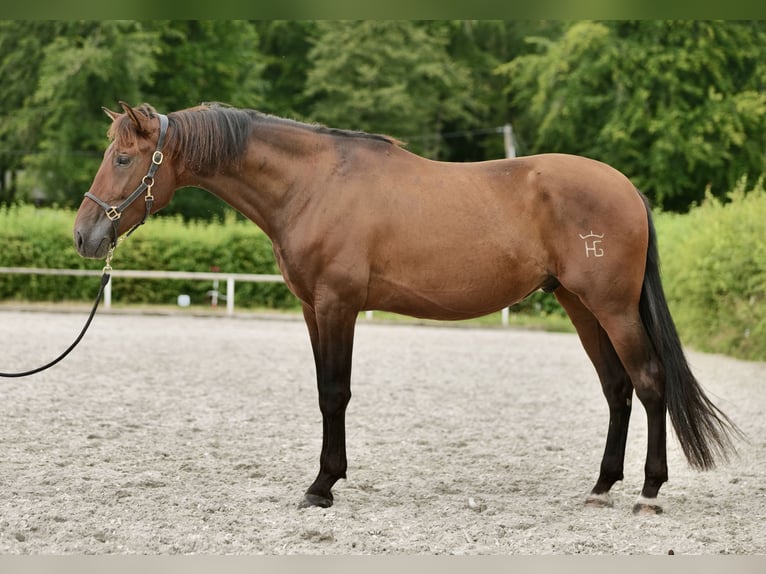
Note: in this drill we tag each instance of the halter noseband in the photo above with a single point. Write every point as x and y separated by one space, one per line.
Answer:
147 182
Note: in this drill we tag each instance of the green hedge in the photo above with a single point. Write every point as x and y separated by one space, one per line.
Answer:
43 238
714 271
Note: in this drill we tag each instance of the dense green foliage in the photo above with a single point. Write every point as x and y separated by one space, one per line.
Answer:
714 268
678 106
421 89
43 238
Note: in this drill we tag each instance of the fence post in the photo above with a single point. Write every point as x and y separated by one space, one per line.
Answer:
108 293
230 295
510 151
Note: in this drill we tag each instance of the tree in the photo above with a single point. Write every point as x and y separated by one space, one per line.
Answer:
62 73
678 106
75 68
21 51
284 46
480 46
204 61
394 77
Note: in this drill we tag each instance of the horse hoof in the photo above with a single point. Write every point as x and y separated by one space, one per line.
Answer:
646 507
599 501
310 500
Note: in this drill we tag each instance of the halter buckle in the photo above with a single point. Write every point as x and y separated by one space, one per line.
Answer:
157 157
113 214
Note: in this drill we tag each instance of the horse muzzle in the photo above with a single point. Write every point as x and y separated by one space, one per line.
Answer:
94 242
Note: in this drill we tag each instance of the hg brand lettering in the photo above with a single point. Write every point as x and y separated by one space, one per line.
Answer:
592 241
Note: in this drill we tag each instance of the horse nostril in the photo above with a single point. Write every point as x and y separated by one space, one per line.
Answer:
78 240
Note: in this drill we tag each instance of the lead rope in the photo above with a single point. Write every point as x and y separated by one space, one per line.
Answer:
105 276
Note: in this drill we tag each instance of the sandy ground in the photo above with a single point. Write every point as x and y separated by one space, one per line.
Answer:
182 435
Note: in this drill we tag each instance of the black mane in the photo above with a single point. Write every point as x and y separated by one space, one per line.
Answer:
214 136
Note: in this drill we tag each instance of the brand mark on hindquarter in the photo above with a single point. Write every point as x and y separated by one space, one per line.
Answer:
592 241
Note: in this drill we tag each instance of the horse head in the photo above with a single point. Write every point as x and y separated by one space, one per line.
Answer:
133 167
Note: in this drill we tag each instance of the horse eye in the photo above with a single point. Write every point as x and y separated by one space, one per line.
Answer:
122 160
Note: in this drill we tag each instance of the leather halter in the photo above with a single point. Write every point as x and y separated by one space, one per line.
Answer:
114 212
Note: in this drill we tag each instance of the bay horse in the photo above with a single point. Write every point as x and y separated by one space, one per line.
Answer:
359 223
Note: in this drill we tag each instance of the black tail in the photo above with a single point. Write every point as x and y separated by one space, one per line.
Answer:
704 431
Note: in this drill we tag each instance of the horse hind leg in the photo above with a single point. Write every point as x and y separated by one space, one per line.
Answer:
617 389
636 352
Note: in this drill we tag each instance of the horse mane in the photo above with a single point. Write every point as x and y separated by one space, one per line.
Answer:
213 137
319 128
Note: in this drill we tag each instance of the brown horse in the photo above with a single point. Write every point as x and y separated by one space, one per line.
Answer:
358 223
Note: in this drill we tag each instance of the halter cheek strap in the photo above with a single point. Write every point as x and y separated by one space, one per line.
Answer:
114 212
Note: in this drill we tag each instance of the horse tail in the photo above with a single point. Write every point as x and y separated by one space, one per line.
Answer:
703 430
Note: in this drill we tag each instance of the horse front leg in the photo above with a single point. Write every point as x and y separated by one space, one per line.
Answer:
332 336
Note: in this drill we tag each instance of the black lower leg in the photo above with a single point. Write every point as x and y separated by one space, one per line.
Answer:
612 463
332 462
656 467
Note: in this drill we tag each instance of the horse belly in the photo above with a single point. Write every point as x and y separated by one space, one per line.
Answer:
454 289
455 253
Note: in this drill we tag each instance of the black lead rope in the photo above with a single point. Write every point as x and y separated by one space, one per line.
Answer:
104 280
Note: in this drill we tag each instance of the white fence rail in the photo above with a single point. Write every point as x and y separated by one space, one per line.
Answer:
230 278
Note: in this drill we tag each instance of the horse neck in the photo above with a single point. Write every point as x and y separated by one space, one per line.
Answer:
273 181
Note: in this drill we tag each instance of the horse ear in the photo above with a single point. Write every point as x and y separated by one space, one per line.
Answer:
138 119
112 115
